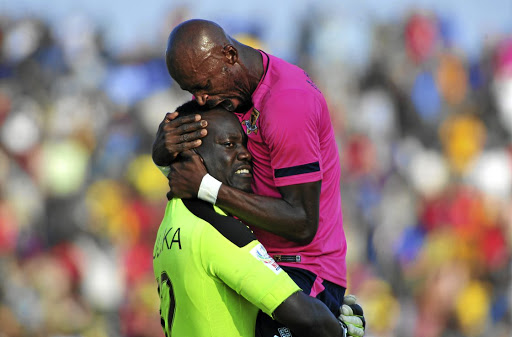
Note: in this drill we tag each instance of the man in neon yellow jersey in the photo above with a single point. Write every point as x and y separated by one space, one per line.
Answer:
213 275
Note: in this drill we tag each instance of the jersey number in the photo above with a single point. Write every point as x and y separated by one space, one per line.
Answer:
167 303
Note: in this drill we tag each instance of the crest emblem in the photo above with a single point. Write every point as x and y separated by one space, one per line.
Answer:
251 124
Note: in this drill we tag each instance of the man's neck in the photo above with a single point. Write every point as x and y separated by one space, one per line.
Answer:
252 60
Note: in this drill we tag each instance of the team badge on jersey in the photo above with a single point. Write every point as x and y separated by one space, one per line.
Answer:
261 254
251 124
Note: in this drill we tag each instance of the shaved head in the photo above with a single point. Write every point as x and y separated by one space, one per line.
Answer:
196 34
211 65
193 41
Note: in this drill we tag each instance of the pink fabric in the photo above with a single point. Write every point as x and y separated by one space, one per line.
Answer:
317 287
292 141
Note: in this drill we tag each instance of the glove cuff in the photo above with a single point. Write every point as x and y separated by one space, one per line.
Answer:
344 328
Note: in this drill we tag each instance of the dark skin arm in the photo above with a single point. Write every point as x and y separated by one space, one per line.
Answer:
294 217
307 316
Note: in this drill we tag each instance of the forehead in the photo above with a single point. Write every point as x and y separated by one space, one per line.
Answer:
192 68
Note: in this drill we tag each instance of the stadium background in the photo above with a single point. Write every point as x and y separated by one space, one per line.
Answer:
421 102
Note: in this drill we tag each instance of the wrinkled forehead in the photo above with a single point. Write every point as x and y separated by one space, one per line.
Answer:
192 55
188 80
183 64
192 70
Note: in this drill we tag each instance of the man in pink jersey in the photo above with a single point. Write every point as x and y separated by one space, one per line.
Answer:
296 209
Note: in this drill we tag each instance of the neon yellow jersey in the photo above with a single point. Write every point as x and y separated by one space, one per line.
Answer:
212 273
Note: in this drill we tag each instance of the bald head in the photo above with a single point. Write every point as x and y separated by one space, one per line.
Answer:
191 42
212 66
196 33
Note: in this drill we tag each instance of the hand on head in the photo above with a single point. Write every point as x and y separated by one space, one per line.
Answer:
185 175
183 133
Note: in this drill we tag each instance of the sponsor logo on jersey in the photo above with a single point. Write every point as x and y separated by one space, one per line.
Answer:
260 253
251 124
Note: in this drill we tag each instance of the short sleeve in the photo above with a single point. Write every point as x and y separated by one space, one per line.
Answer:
291 132
248 270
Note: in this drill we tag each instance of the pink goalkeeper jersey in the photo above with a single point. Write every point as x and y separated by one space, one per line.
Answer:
292 141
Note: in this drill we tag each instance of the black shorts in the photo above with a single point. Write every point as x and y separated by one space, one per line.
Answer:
332 295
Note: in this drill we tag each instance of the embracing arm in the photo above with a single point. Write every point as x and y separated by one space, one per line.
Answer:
307 316
294 217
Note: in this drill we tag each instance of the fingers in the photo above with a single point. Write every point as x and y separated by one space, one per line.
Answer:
349 299
170 116
355 331
352 320
181 147
183 133
355 325
346 310
191 136
192 126
172 120
352 314
183 125
356 309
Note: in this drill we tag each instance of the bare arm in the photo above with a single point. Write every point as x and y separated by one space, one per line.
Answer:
307 316
294 216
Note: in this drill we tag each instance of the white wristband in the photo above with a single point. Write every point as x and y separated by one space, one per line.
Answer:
209 189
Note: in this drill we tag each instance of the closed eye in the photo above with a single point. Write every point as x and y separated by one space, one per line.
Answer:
201 87
205 87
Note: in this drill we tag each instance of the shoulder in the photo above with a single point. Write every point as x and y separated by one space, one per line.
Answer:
285 75
291 105
230 228
294 88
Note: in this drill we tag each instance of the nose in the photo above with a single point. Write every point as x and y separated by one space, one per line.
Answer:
202 99
244 154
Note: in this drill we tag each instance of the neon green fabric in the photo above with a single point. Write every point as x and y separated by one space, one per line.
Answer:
208 285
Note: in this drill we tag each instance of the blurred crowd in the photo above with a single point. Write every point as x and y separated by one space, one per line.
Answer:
424 131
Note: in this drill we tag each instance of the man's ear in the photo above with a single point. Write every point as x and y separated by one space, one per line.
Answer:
231 53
